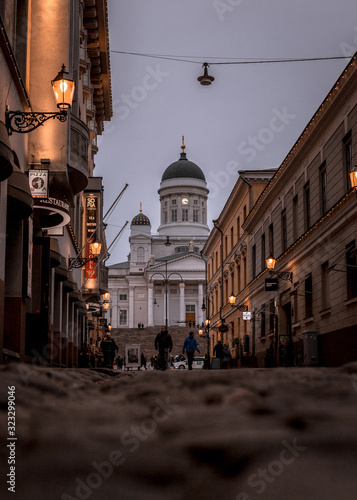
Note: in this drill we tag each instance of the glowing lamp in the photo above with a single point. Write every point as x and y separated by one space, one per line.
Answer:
63 88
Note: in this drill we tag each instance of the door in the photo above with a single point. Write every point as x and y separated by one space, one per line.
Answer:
190 315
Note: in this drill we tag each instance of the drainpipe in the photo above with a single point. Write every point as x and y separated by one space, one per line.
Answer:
250 187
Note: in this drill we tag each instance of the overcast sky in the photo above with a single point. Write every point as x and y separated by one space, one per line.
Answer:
249 118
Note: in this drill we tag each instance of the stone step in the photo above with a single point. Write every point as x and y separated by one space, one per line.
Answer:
146 339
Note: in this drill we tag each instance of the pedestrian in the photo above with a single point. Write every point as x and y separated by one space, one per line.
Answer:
108 347
83 356
218 351
190 346
226 356
163 343
119 362
143 361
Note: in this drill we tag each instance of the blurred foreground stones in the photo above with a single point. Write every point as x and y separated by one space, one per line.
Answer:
282 434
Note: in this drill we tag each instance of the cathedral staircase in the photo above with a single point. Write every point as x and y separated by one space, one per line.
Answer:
146 339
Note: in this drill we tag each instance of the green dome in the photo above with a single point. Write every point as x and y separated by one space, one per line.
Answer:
141 220
183 168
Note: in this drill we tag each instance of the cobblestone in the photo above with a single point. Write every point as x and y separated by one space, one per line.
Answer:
243 434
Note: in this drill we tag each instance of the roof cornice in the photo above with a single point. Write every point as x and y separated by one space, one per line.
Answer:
344 86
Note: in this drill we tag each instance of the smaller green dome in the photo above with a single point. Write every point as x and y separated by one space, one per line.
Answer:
141 220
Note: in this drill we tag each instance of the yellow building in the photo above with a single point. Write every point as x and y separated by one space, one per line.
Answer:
306 221
226 251
51 161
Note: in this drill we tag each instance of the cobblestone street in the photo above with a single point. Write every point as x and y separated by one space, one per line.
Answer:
282 434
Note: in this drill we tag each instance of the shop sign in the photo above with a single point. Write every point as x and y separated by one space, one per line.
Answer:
271 284
38 180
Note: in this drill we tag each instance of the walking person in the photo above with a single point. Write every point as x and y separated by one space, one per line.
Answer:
190 346
143 361
218 351
226 356
108 347
163 343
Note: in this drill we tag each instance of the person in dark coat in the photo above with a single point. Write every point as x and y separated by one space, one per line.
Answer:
143 361
163 343
108 347
190 346
218 351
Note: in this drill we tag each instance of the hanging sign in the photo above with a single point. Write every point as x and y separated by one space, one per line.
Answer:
91 224
38 180
271 284
247 316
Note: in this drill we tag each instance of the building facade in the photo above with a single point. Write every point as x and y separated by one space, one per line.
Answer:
43 313
306 220
227 255
164 279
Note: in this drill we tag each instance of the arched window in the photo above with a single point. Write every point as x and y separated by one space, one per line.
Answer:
141 254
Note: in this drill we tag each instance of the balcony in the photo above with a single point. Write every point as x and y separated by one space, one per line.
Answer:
78 155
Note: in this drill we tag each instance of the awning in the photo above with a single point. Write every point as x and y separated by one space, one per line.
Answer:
61 271
69 285
54 210
55 255
6 155
19 199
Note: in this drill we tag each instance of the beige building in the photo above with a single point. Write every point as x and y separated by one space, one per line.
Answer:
227 254
43 311
306 220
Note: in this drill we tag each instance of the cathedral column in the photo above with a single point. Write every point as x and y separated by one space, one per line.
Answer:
182 303
150 304
200 302
131 307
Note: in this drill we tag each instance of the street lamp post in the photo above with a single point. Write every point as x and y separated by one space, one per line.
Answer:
166 283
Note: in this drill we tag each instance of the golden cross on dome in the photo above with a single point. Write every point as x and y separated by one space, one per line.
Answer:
141 208
183 144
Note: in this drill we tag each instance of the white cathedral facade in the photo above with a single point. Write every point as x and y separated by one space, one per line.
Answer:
163 282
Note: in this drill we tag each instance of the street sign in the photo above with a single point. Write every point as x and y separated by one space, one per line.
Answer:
247 316
271 284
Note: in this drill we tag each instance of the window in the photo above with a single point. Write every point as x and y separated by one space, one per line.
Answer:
232 238
165 215
123 296
184 215
348 156
190 308
173 215
262 321
254 258
195 202
325 286
123 317
307 206
271 239
166 203
323 186
245 271
284 231
238 227
295 218
173 202
272 316
351 268
195 216
263 256
141 254
225 246
244 212
308 296
238 278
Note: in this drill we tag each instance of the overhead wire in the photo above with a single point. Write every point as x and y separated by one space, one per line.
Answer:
229 60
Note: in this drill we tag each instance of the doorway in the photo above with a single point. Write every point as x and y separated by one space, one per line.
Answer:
190 315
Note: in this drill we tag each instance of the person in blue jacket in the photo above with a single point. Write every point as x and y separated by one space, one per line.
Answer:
190 346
